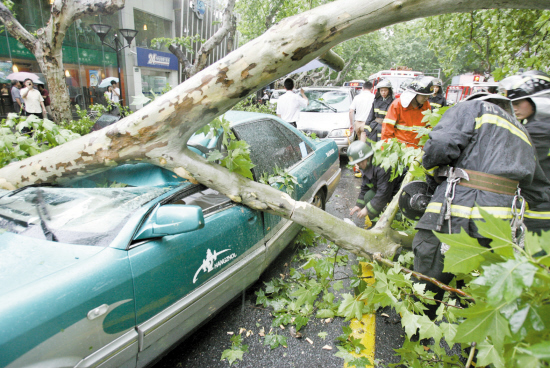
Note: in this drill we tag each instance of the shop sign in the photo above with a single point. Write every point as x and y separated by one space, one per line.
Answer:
71 55
156 59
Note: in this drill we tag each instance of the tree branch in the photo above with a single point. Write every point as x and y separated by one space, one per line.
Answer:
16 29
205 50
183 60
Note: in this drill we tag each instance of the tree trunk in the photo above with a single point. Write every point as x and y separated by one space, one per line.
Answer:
47 45
157 133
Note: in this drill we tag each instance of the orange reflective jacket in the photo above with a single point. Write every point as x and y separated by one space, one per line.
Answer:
402 123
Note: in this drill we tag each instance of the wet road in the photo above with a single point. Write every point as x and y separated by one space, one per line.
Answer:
204 348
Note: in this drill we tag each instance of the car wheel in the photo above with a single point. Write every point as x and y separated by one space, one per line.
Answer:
319 199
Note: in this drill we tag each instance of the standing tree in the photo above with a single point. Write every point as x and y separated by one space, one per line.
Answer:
46 45
158 133
175 45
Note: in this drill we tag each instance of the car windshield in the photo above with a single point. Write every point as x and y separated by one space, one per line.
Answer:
327 101
81 216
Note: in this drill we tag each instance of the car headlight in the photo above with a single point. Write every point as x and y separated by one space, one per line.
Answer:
339 133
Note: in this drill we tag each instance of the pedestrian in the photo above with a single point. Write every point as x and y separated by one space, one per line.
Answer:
359 111
34 103
4 91
382 102
16 96
108 94
46 96
405 116
290 104
376 188
483 156
116 92
530 96
437 100
265 98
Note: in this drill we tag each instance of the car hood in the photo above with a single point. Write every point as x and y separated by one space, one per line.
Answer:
323 121
24 259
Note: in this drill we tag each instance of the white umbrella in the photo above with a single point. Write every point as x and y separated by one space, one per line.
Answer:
21 76
107 82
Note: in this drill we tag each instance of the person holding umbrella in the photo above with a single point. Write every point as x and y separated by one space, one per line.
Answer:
34 103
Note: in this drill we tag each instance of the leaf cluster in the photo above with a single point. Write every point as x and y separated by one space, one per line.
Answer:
17 143
251 105
395 156
236 351
282 179
185 42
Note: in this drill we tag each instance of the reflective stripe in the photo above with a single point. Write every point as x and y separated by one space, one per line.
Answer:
537 215
527 79
361 202
431 172
388 121
471 212
503 123
407 128
368 128
371 209
435 104
381 112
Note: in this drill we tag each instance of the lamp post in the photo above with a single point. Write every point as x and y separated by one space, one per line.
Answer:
129 34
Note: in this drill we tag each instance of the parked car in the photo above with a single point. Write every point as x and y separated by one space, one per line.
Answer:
327 115
275 96
113 269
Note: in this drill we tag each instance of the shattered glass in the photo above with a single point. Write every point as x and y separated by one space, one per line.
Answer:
84 216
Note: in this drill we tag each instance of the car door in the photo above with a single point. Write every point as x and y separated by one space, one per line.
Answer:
272 144
181 280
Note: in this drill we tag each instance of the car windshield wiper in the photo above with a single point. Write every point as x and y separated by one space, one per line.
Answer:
43 214
326 105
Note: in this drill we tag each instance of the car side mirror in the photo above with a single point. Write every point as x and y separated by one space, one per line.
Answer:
171 219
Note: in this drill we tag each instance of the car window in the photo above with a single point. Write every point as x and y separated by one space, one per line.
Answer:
271 144
84 216
338 100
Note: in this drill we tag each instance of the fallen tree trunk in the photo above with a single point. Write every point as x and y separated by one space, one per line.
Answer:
158 132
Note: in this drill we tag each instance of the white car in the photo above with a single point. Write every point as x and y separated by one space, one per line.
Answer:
327 115
275 96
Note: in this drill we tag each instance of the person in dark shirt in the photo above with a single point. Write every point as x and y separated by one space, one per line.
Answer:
437 100
46 96
376 189
530 96
382 102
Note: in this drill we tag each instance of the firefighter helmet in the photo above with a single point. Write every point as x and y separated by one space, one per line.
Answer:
384 83
405 84
438 82
422 85
526 85
359 151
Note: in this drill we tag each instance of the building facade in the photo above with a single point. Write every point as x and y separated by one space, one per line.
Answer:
145 67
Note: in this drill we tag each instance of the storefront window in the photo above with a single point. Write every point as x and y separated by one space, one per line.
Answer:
150 27
152 80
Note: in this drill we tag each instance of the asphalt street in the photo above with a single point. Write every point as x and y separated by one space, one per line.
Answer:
204 347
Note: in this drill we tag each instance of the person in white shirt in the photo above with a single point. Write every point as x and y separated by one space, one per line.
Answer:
361 106
34 102
116 92
290 104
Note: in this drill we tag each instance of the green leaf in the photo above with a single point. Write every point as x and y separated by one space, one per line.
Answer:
324 313
350 307
300 321
428 329
449 331
214 156
506 280
482 321
540 350
305 295
465 253
274 340
488 354
410 322
499 230
282 319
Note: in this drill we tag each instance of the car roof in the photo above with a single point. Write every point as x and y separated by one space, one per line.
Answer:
327 88
240 117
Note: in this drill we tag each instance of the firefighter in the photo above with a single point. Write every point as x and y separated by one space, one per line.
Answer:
436 99
485 158
405 113
376 189
382 102
530 96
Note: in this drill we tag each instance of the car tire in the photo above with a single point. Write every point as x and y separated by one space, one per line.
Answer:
319 199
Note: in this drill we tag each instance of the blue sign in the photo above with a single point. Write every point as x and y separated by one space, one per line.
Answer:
156 59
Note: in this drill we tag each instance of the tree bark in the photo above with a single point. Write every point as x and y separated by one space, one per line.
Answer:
158 132
47 45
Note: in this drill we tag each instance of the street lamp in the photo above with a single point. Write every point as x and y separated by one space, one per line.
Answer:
129 34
